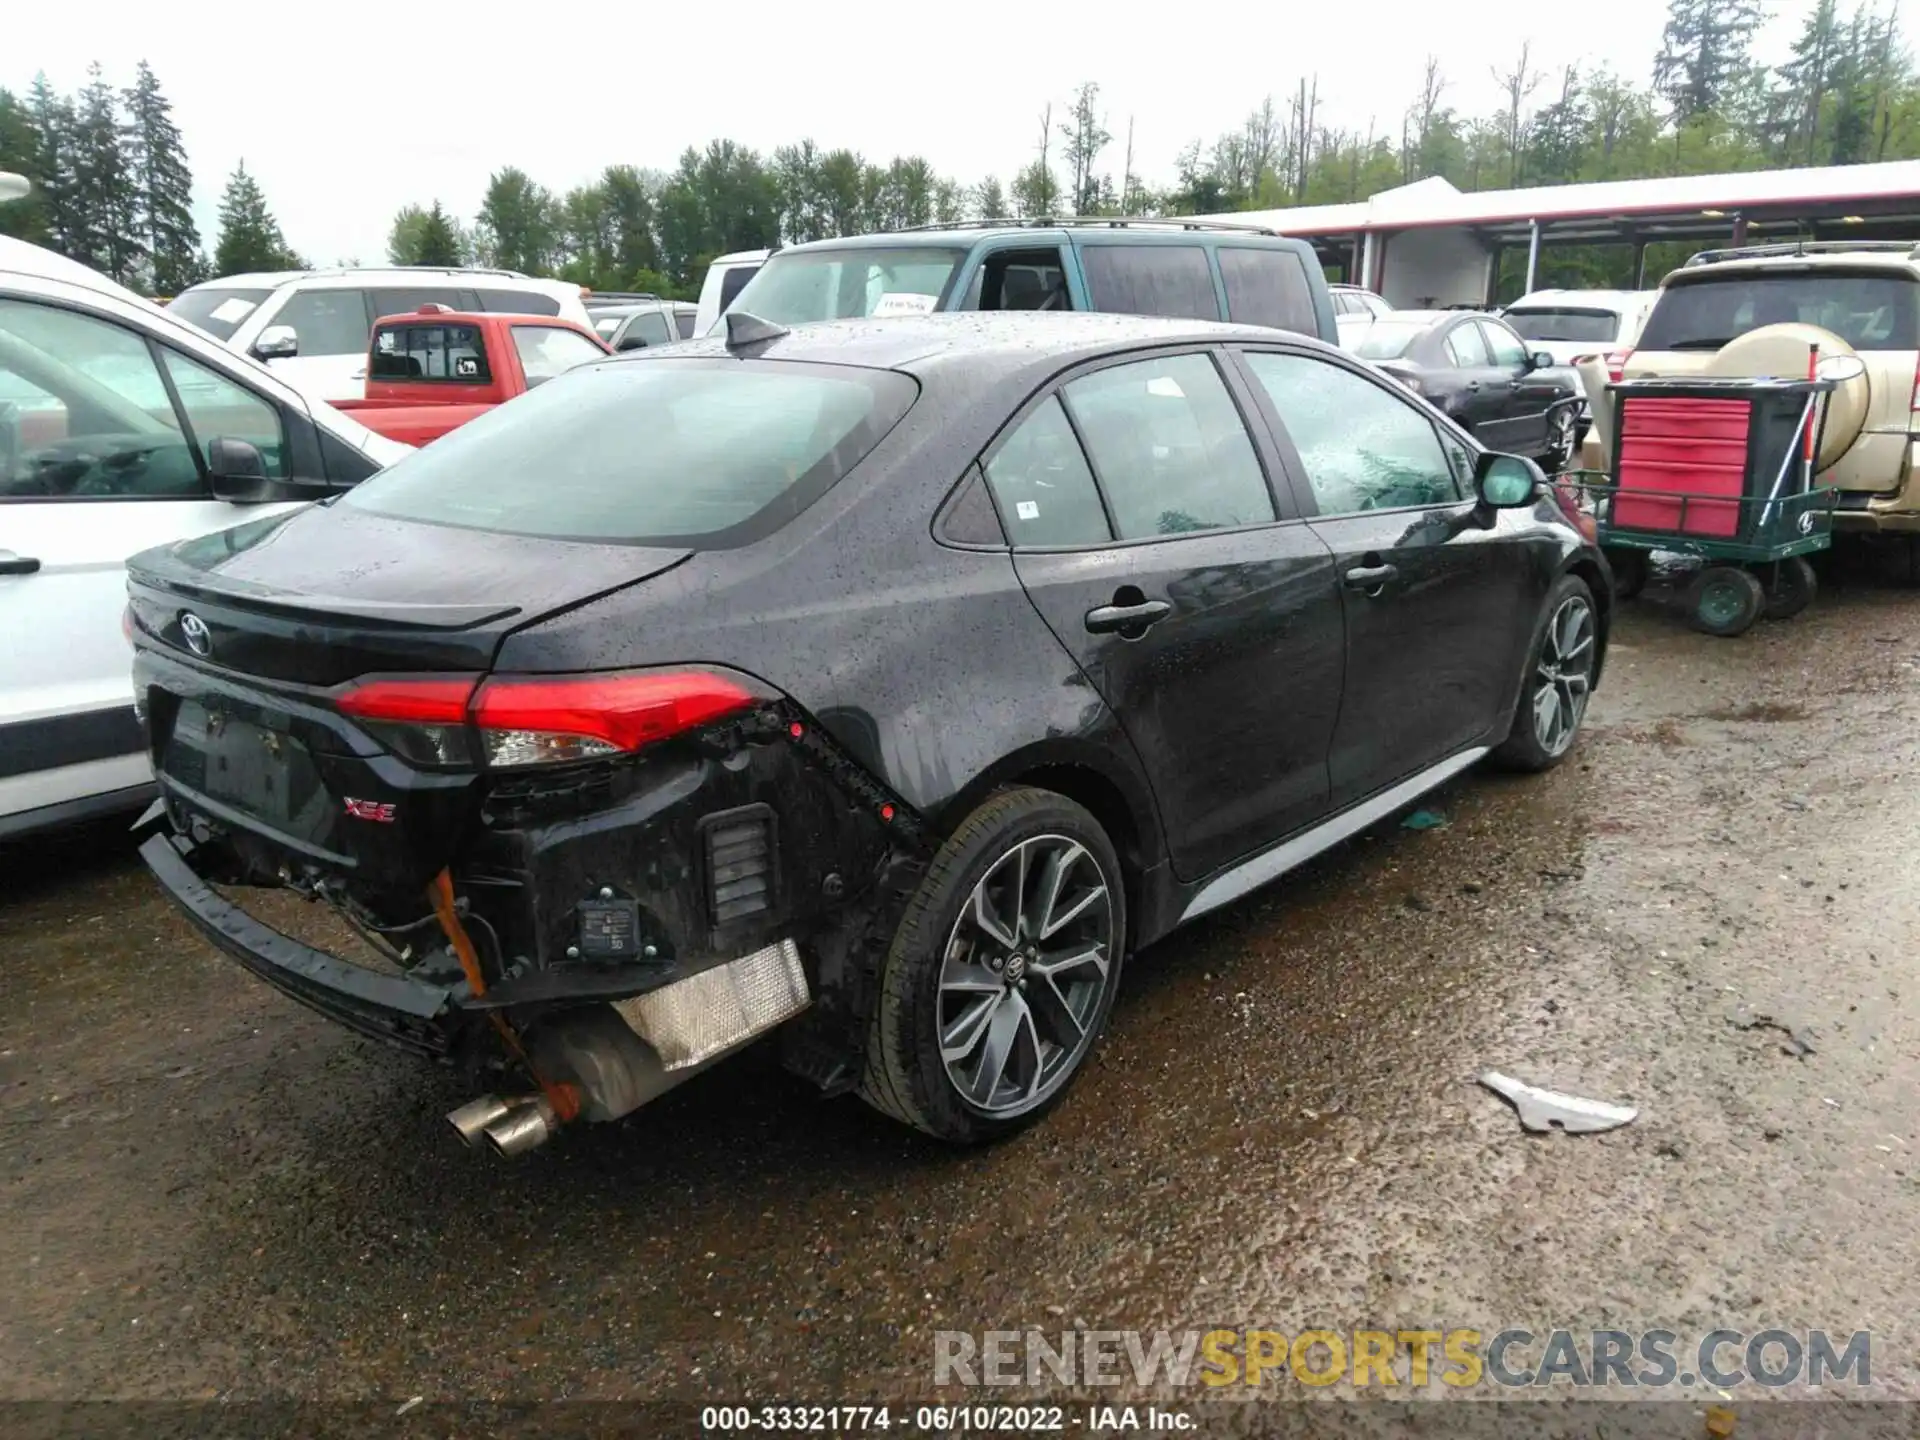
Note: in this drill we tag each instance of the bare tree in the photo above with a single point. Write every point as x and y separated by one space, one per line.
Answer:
1084 135
1128 184
1261 146
1519 85
1304 109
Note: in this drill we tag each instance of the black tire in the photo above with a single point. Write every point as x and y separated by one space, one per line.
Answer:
1630 568
906 1076
1725 600
1563 441
1790 587
1531 745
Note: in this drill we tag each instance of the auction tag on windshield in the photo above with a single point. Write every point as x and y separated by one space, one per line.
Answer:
899 304
232 311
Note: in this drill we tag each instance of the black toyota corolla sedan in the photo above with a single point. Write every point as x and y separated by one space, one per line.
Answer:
886 682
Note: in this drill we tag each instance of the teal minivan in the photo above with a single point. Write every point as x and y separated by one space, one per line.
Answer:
1191 269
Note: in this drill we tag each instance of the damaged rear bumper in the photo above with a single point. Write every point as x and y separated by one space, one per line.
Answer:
410 1014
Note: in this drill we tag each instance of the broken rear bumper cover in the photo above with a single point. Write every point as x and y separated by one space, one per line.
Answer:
411 1014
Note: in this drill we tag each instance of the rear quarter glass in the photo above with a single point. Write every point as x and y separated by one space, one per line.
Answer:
768 437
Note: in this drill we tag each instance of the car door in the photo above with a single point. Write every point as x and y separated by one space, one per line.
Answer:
1146 531
96 463
1466 387
331 326
1439 601
1529 392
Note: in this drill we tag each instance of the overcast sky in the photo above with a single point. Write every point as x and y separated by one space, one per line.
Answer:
344 115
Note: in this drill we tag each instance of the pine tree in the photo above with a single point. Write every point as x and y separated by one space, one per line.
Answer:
162 186
106 217
518 223
1703 52
52 169
25 218
250 237
439 242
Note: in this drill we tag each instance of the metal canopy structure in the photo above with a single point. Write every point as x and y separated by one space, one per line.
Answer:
1879 201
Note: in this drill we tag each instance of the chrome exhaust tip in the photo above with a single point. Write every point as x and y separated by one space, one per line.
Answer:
527 1125
472 1118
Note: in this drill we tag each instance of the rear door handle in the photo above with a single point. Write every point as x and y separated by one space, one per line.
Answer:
18 564
1104 618
1370 578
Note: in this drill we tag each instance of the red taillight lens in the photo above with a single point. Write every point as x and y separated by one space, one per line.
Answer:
1916 386
538 719
1617 364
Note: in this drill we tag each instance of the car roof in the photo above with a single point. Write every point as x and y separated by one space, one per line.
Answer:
344 276
1894 262
1013 339
1580 297
740 257
1134 232
18 257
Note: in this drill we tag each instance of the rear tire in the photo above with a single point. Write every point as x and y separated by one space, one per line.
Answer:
1725 600
1790 587
1031 867
1558 682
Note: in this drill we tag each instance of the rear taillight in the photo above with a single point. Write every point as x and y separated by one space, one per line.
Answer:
1916 386
538 719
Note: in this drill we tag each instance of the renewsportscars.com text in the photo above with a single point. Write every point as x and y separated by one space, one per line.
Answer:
1414 1359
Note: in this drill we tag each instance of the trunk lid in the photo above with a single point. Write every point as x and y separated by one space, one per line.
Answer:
245 639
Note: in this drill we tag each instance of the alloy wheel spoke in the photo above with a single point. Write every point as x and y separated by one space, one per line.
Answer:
988 923
960 1038
1086 958
1003 1031
1053 880
1053 1012
965 977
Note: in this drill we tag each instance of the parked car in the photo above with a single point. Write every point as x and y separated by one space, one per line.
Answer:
431 372
1570 325
1181 268
657 324
1756 310
988 650
311 326
1355 308
1478 373
120 426
726 277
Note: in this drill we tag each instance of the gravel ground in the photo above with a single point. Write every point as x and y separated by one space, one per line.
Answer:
1707 913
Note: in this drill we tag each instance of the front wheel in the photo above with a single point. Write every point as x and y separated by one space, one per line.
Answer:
1002 972
1559 682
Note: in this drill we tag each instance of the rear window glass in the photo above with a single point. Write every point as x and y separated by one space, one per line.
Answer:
1269 287
1869 312
733 449
1150 280
452 353
218 312
1386 340
518 302
1583 325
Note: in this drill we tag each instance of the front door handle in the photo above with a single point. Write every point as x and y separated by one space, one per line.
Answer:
1370 578
1104 618
18 564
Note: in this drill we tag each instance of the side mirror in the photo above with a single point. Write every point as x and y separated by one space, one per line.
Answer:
1540 360
1506 482
277 342
630 342
237 472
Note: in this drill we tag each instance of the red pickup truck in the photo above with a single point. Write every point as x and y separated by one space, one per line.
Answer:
434 369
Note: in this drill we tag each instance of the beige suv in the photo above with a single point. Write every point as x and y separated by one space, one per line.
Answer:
1755 311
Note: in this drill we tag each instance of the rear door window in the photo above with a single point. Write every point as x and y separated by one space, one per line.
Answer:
1042 485
1171 280
1169 448
518 302
546 351
327 322
1268 286
766 439
415 353
1868 311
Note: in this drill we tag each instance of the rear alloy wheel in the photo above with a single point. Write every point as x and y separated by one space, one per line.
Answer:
1559 682
1725 600
1002 972
1560 441
1790 587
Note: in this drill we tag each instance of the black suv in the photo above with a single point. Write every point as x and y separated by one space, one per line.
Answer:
909 677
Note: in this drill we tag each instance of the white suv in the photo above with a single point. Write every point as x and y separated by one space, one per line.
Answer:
121 427
312 326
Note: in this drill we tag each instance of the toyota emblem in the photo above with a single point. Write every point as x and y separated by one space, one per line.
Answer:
194 631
